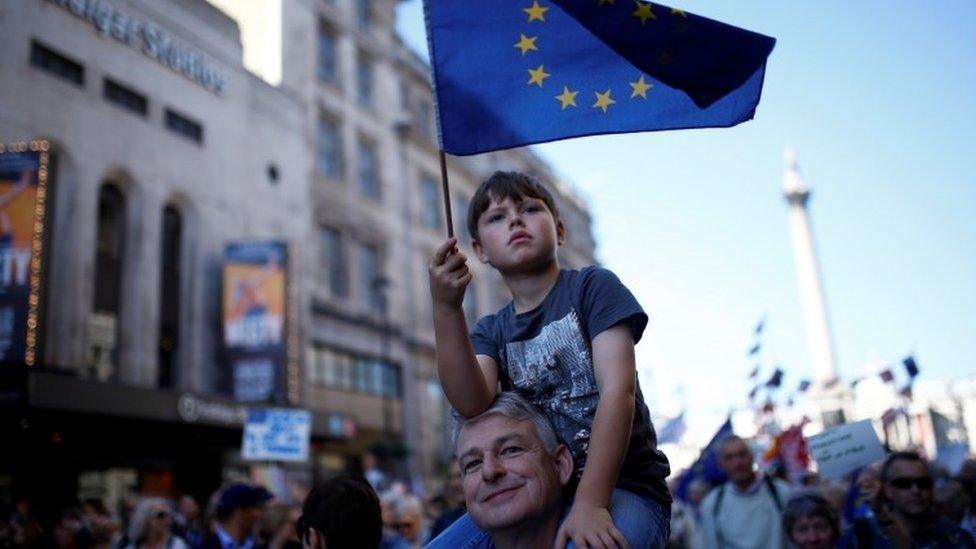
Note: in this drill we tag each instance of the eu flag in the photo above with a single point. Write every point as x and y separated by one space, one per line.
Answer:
515 72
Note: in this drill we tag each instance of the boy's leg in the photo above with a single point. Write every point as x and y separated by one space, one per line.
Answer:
462 534
643 521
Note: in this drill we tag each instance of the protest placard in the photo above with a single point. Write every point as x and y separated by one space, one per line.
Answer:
276 435
842 449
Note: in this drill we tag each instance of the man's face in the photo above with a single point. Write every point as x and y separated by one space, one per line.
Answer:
251 516
507 476
909 487
735 458
513 236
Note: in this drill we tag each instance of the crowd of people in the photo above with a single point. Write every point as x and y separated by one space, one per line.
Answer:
901 501
238 516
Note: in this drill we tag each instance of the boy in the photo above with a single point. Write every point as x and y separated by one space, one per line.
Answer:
566 342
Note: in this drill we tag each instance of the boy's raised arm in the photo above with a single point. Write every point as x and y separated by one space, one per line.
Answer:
469 382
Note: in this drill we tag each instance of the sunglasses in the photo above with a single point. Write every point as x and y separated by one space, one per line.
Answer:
905 483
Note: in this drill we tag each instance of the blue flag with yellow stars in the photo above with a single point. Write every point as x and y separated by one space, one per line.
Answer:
515 72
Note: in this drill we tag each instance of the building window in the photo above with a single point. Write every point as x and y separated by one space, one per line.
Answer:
184 126
349 372
329 154
424 118
126 98
370 278
431 204
364 80
333 262
364 14
103 329
57 64
326 66
460 207
169 296
369 170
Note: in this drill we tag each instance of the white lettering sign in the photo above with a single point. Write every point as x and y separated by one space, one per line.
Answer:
153 41
842 449
277 435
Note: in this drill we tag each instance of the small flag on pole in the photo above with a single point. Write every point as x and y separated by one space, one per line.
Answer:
776 379
754 373
754 349
760 326
886 375
752 393
804 385
673 430
910 366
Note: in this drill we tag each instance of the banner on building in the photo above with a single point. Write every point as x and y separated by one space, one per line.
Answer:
23 199
253 312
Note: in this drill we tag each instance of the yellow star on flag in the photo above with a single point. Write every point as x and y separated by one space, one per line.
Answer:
643 12
567 98
603 101
679 13
536 12
538 75
526 43
640 88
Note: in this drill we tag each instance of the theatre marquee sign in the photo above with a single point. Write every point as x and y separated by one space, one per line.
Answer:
148 38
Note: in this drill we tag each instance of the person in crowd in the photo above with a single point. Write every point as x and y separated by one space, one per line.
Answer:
373 474
684 522
746 510
408 520
24 528
151 526
901 510
811 521
187 521
277 527
342 513
514 477
566 339
950 501
453 501
238 511
967 477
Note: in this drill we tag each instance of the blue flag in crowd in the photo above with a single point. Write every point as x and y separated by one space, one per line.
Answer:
706 467
673 430
514 72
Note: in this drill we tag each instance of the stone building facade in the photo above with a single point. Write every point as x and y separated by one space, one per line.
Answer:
202 123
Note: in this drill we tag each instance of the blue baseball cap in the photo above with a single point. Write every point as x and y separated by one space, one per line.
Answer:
237 496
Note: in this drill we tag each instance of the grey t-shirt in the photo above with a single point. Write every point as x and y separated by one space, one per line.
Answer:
545 355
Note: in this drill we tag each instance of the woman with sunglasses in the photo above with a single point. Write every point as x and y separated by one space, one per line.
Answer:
901 510
151 527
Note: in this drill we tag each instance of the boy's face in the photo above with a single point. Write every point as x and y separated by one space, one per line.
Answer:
518 236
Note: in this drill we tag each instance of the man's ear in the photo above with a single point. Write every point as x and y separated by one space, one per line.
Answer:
315 539
479 250
564 464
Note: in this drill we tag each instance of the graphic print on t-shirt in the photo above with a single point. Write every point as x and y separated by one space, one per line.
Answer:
554 370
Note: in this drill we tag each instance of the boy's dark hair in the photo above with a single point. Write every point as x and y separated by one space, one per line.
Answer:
516 186
346 511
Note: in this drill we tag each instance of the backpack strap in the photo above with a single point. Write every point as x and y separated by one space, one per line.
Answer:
774 493
715 510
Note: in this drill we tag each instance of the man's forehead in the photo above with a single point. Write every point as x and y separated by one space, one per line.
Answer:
904 466
492 429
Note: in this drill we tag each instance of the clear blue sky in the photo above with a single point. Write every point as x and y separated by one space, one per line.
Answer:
879 99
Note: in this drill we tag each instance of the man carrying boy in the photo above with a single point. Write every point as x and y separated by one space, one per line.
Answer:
566 343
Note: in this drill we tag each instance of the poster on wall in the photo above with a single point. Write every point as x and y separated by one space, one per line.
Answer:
253 309
23 190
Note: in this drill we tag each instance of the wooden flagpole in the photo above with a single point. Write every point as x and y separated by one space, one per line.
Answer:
447 196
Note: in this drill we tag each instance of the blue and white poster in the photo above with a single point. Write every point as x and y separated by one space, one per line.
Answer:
277 435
